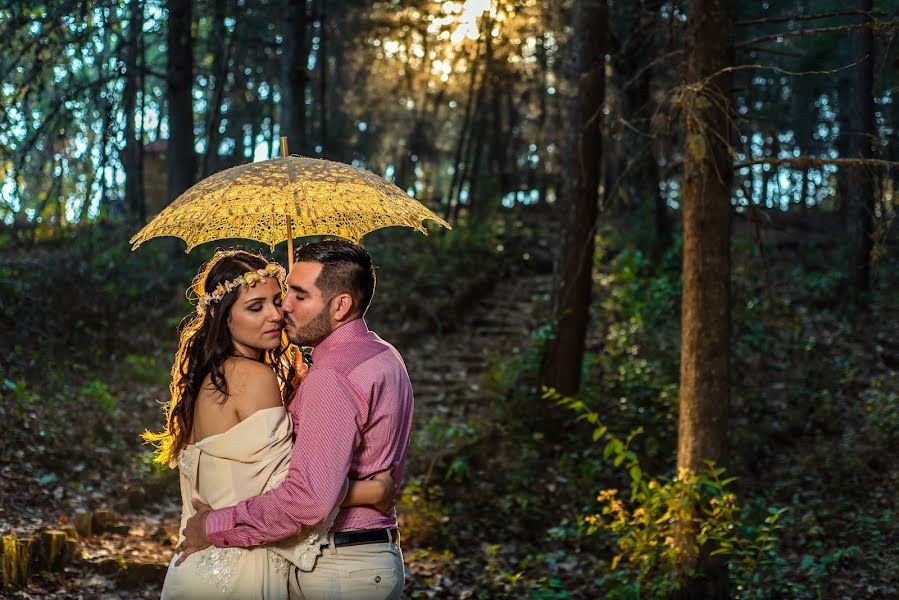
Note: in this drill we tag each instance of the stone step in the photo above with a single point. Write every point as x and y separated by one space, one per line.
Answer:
430 396
493 331
425 372
434 387
504 309
436 381
446 371
501 320
516 300
462 363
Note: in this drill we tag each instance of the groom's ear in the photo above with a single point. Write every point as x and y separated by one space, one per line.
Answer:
342 307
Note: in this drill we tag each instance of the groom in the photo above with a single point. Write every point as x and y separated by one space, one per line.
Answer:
352 417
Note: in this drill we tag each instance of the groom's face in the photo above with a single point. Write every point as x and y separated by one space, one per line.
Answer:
307 315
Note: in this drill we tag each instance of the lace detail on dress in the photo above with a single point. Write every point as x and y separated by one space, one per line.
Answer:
304 549
217 566
279 563
282 567
188 461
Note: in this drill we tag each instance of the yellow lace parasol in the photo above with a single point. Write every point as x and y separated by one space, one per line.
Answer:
275 200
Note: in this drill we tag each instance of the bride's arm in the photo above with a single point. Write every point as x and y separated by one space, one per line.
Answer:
377 491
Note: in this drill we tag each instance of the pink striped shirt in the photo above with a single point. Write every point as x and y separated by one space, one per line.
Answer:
352 417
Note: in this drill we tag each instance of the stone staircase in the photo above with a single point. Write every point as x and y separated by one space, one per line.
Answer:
446 370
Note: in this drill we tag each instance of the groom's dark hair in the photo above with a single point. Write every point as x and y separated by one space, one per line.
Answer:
346 268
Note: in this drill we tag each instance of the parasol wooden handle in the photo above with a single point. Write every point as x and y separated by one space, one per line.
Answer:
289 224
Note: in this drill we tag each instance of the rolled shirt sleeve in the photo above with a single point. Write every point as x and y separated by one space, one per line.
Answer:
329 417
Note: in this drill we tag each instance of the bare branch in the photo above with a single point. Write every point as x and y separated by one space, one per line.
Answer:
803 162
633 128
650 65
705 82
875 25
778 51
788 18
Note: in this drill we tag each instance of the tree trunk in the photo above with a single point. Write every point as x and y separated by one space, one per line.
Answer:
477 203
134 184
343 32
323 74
452 195
294 60
179 78
472 160
540 135
561 367
220 47
640 106
861 186
844 146
705 309
250 140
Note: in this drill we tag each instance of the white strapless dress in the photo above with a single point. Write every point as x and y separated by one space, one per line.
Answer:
221 470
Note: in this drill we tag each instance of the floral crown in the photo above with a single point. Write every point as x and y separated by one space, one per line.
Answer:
249 279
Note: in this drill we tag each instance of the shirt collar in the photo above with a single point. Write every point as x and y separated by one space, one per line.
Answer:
344 333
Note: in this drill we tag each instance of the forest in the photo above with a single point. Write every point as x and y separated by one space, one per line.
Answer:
655 356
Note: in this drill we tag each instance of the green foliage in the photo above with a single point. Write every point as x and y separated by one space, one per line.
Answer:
511 580
98 392
422 513
116 302
882 415
633 375
511 381
663 525
18 393
145 369
443 441
158 481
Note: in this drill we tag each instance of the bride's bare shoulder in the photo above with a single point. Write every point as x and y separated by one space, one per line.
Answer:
252 386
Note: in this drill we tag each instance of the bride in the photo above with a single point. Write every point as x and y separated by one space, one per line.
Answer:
228 432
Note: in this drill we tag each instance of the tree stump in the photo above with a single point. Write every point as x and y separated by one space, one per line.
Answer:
52 550
15 560
83 522
56 549
71 531
137 497
71 550
102 520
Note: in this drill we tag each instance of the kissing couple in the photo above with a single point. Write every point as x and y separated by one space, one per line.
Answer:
287 477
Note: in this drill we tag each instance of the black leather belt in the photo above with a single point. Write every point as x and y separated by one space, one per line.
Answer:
365 536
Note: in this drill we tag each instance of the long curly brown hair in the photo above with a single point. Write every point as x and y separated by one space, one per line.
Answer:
205 344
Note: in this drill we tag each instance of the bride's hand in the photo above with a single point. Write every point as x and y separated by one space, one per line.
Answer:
377 491
300 370
388 496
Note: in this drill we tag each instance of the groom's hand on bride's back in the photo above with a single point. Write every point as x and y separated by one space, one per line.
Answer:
194 533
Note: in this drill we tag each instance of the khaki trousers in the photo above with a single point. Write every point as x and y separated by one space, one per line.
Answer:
366 572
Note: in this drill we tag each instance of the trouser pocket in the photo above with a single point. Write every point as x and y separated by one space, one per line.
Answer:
374 583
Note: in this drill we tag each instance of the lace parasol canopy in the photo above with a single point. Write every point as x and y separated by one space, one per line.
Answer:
254 201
